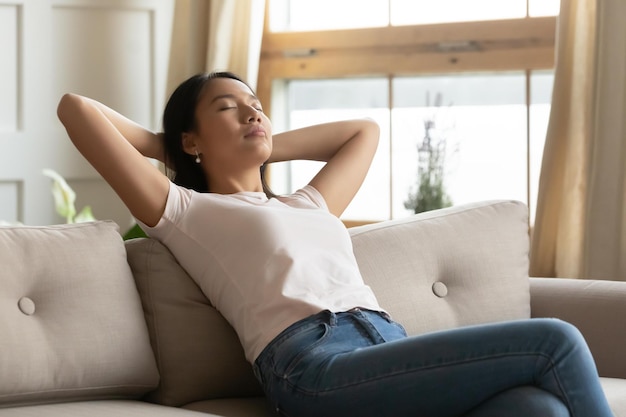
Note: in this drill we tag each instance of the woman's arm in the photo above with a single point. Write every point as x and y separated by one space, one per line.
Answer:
148 143
347 147
115 147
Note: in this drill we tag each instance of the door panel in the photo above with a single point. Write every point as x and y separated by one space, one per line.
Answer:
114 51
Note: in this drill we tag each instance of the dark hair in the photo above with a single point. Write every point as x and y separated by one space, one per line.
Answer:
178 118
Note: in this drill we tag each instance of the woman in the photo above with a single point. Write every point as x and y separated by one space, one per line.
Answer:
282 272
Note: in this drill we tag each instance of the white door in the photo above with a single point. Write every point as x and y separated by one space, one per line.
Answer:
115 51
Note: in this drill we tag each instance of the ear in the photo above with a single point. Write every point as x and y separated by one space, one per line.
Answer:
189 143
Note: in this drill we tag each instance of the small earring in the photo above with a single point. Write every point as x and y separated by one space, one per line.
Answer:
197 157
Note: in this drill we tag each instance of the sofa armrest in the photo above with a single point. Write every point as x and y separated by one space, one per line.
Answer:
596 307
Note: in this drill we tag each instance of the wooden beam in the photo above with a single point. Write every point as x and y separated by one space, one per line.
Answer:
500 45
541 29
399 63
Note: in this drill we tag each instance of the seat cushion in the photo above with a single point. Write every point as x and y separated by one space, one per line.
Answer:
615 391
109 408
448 268
234 407
70 317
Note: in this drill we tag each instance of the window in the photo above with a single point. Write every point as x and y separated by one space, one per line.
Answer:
303 15
319 101
482 86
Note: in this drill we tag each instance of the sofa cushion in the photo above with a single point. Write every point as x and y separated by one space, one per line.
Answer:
234 407
615 391
70 317
108 408
476 254
448 268
198 353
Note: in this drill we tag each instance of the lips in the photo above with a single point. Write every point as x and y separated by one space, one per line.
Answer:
256 131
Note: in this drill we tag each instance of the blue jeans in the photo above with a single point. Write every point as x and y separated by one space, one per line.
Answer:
361 363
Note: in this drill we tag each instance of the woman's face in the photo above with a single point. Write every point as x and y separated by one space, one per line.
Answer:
232 132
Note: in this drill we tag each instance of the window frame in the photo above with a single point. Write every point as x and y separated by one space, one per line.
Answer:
525 44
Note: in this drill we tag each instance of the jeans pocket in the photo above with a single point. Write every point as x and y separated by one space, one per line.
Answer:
291 356
400 327
398 331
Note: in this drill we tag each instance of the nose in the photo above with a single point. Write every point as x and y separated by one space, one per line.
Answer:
254 115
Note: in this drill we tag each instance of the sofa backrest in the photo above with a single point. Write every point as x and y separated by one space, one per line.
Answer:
198 353
441 269
448 268
71 322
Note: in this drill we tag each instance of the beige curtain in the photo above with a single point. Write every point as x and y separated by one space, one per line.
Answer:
216 35
579 230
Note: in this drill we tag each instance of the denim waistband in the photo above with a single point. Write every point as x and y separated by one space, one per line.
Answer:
325 317
328 317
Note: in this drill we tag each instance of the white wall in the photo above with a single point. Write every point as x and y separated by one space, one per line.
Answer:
115 51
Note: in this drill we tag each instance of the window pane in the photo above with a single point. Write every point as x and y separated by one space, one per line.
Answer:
302 15
320 101
353 93
411 12
541 83
482 121
481 118
538 8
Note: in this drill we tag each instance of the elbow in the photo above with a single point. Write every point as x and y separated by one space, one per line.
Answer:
67 106
371 130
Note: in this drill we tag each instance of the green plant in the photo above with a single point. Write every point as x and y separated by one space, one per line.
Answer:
430 191
134 233
64 201
65 198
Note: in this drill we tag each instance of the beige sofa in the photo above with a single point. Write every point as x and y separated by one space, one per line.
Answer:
80 337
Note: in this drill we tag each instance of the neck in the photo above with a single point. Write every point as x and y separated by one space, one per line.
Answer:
231 183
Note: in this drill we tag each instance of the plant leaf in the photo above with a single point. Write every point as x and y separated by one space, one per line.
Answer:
85 215
134 232
64 196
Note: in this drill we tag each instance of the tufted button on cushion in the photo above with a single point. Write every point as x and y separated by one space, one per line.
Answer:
449 245
88 338
440 289
26 306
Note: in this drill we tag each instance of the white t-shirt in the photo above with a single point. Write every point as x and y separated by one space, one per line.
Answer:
263 263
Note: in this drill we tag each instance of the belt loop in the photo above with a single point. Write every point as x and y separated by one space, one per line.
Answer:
332 319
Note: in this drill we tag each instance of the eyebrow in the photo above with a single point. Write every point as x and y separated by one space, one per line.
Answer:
232 96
